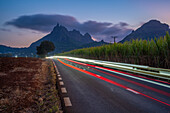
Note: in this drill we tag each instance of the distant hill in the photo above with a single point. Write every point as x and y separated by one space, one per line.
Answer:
16 51
94 44
6 49
63 40
149 30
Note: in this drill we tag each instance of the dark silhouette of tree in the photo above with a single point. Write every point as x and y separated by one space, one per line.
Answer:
44 48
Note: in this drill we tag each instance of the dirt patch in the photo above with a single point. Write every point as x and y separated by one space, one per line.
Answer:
27 85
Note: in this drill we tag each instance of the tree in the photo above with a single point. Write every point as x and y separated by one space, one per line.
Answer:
44 48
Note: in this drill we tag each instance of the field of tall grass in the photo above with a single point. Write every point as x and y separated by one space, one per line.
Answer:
154 53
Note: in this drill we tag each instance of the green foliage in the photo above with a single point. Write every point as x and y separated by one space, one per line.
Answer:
153 53
44 48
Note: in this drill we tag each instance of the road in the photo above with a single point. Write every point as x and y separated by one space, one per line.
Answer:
93 89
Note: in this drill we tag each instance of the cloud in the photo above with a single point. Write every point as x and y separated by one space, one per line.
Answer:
3 29
45 23
119 30
41 22
123 24
94 27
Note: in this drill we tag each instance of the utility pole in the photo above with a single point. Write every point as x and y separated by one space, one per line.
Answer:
114 37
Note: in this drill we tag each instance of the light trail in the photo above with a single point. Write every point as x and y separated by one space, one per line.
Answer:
127 80
112 82
126 74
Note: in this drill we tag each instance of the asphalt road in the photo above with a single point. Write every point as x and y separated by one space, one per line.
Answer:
94 90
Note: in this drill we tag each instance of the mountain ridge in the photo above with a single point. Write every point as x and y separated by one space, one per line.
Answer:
148 31
63 40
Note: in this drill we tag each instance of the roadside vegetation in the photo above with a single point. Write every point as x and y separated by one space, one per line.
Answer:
28 85
155 53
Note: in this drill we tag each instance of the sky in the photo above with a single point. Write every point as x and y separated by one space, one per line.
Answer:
25 21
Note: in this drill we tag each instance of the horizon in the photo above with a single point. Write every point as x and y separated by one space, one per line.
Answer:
21 25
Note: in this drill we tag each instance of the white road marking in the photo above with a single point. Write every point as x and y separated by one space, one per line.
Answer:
67 101
60 78
61 83
132 90
160 84
63 90
59 75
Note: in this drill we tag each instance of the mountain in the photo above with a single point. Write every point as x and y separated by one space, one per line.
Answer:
149 30
16 51
64 40
6 49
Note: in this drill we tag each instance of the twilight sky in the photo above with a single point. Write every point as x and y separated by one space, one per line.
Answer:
25 21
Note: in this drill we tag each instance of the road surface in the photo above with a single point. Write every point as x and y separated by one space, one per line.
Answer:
93 89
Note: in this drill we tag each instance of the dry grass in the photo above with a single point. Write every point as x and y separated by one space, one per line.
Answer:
27 85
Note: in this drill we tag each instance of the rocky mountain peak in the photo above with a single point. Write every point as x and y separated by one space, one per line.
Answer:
59 28
87 35
76 31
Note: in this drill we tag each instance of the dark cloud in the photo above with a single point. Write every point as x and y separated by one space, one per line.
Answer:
45 23
112 30
41 22
3 29
120 30
94 27
123 24
107 37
